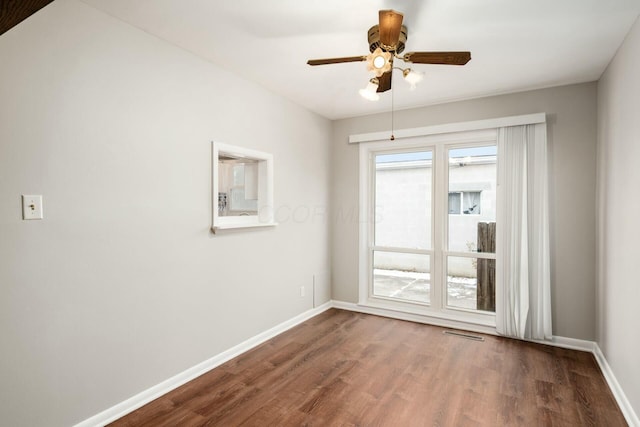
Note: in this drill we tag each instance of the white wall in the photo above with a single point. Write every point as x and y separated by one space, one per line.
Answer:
571 116
403 206
618 208
122 285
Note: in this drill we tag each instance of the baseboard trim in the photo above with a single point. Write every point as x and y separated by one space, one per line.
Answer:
570 343
626 408
121 409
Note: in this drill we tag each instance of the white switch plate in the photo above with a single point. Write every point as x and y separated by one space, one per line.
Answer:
31 207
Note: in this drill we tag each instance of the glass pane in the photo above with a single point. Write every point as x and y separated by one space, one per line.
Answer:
471 283
472 176
402 276
403 200
454 203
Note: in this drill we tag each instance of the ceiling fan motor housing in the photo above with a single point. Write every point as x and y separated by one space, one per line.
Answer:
373 36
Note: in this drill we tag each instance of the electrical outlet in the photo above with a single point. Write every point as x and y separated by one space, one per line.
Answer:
301 291
31 207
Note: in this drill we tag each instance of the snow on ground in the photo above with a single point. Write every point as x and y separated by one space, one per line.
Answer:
414 286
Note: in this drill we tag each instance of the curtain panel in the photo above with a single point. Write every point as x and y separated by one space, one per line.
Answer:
523 278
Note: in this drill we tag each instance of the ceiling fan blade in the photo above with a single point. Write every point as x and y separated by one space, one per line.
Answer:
390 24
443 58
336 60
384 82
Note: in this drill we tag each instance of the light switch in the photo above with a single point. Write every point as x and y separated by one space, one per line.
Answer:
31 207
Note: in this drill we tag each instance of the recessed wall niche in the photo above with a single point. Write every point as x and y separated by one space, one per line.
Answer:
242 187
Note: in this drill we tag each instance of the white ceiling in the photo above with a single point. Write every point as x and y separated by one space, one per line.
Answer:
515 44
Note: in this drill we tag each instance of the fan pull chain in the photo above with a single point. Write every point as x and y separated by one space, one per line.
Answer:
392 136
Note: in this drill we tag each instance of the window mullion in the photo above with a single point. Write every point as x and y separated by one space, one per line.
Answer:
439 207
403 250
481 255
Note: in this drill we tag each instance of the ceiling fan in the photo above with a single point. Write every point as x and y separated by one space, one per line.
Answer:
386 43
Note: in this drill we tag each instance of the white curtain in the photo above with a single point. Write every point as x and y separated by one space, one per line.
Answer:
523 295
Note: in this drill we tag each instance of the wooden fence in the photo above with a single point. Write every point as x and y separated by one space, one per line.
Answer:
486 268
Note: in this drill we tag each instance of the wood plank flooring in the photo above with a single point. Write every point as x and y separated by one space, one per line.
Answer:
349 369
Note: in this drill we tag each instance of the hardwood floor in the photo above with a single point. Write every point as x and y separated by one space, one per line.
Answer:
349 369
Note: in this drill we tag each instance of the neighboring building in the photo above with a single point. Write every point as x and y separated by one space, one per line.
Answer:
404 202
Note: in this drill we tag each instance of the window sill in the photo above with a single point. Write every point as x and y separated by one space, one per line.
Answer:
227 227
482 322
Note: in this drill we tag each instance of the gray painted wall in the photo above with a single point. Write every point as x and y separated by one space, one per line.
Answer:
122 285
571 116
618 207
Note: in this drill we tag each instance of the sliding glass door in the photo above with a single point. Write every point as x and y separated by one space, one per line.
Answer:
431 227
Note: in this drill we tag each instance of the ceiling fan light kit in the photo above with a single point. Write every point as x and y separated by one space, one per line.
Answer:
412 77
370 92
386 43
